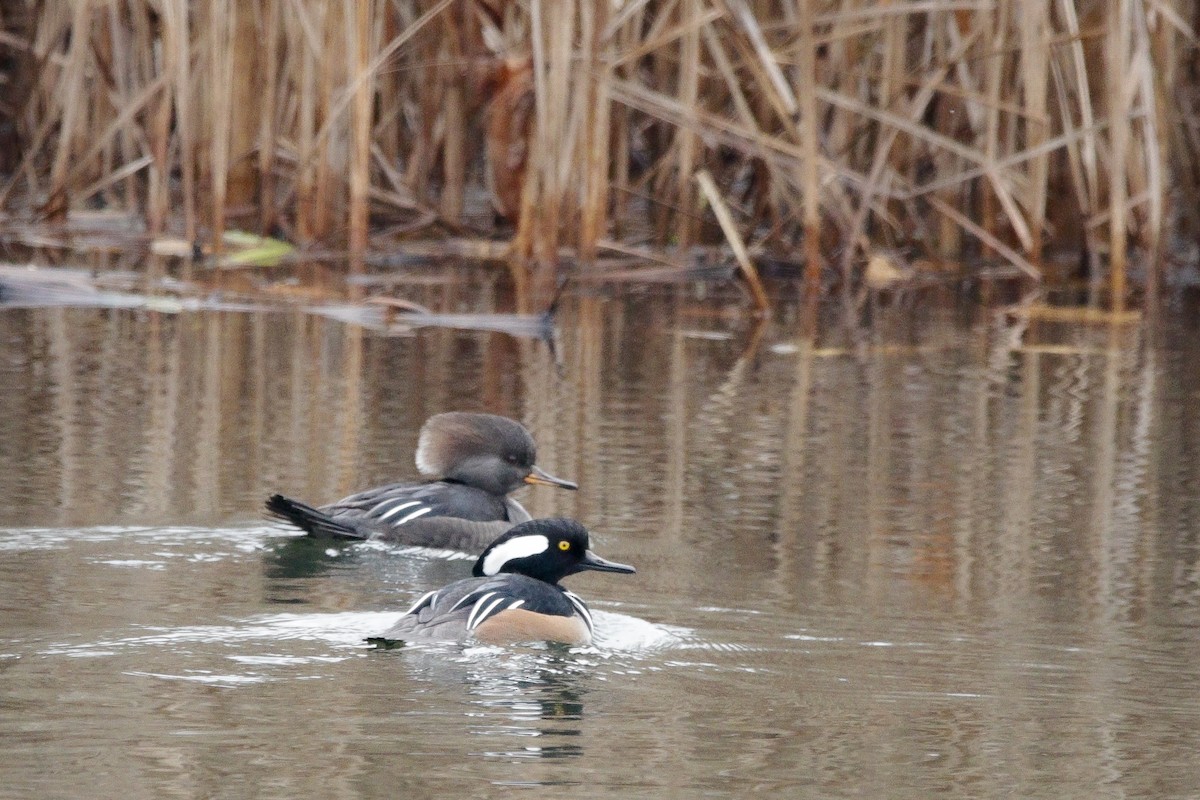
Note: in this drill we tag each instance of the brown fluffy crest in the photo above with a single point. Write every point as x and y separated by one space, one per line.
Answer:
446 439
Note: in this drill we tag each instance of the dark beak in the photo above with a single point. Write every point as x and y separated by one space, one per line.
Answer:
541 478
593 561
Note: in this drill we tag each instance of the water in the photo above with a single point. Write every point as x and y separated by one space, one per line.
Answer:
957 556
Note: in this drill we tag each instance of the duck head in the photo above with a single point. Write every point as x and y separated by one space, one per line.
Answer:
492 453
546 549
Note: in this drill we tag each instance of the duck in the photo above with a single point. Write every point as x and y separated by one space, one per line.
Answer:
514 595
472 462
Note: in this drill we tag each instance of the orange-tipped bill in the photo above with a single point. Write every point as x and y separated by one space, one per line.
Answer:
539 477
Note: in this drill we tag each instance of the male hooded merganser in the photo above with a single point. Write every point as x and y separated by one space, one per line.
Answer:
514 596
475 460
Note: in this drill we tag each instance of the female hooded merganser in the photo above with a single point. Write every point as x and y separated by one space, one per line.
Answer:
514 596
475 460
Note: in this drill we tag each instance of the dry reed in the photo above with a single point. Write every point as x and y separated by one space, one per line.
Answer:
979 130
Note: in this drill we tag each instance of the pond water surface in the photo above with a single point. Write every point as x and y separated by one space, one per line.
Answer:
956 556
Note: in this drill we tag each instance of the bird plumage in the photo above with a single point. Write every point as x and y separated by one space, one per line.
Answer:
474 461
515 594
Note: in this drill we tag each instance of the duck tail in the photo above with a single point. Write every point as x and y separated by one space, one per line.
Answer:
314 522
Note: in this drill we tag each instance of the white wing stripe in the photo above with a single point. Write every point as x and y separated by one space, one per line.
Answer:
582 608
392 511
479 613
411 517
465 598
420 602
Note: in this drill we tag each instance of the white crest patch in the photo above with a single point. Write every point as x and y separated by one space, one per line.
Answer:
424 465
517 547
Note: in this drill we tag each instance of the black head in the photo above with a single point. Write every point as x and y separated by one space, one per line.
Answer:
546 549
486 451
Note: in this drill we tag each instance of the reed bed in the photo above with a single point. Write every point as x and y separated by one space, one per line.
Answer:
987 133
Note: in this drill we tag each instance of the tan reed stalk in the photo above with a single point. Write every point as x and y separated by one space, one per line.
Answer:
328 149
552 33
729 228
531 194
102 140
806 93
269 118
72 106
123 41
843 121
686 143
930 137
426 68
843 67
762 50
1073 95
1034 81
1169 122
221 22
454 149
770 198
528 227
305 48
359 40
392 90
595 142
733 85
1087 117
914 110
421 154
1014 257
654 45
940 33
893 59
1117 49
113 177
454 122
97 114
624 31
177 27
1071 137
1154 49
995 57
565 120
246 104
158 197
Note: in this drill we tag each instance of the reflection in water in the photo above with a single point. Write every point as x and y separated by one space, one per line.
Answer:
957 555
303 557
522 704
288 565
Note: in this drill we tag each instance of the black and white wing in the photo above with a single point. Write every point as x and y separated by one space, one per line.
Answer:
456 611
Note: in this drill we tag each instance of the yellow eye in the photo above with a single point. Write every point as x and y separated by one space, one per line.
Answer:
564 545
